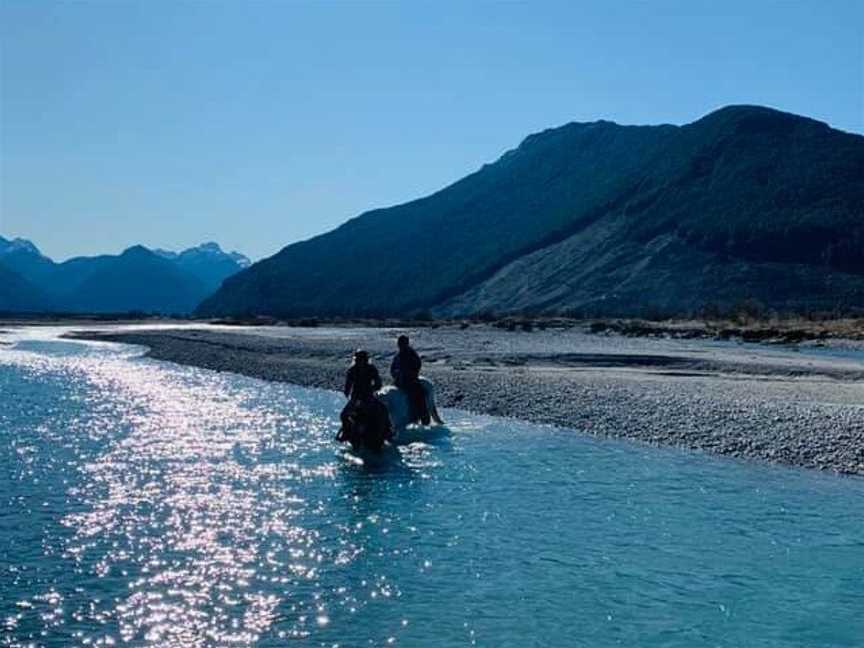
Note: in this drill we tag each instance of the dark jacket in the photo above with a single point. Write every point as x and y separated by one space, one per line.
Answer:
405 368
361 382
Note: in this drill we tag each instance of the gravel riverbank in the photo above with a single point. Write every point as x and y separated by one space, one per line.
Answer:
780 405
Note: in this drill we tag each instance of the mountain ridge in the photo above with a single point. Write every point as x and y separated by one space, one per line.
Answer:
137 279
743 186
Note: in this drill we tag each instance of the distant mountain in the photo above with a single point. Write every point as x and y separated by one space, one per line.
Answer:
747 202
136 280
19 295
25 259
208 263
18 245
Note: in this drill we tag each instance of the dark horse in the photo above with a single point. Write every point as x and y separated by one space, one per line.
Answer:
365 426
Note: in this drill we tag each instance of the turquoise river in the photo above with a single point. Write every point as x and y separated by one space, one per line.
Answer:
148 504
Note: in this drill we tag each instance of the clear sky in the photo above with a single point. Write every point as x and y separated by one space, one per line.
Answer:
261 122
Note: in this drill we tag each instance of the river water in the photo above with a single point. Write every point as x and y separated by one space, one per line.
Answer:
151 504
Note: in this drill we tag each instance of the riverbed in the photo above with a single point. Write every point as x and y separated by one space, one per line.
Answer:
789 404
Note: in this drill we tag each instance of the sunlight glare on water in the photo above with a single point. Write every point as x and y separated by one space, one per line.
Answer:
152 504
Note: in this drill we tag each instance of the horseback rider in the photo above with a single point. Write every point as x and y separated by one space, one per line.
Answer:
361 382
405 371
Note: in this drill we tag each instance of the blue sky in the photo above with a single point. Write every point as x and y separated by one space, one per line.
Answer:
260 123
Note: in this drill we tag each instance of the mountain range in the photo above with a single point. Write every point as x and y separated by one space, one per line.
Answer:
138 279
746 203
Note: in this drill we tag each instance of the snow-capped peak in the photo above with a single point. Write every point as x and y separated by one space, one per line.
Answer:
18 245
210 249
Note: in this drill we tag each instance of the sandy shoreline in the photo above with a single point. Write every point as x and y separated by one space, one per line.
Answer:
746 401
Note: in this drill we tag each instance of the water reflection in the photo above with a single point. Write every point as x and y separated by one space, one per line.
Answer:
156 505
193 506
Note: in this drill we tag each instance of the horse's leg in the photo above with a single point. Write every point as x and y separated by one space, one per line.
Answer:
344 417
429 394
434 412
422 403
383 419
393 411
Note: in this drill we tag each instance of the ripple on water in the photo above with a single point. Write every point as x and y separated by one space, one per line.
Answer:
152 504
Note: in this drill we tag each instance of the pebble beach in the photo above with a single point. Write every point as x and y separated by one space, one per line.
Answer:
792 405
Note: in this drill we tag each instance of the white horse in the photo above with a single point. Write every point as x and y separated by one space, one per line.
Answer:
399 408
